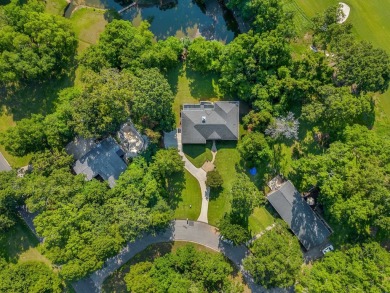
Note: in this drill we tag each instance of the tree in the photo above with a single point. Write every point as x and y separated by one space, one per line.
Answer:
254 149
204 55
327 29
27 136
286 127
9 199
257 121
34 45
335 108
360 268
248 61
49 160
151 104
246 197
351 176
233 232
102 105
214 179
186 270
29 276
121 45
276 258
365 68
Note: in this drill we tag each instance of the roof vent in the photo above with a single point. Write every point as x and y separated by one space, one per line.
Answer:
203 119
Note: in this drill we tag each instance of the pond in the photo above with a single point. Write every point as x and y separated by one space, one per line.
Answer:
210 19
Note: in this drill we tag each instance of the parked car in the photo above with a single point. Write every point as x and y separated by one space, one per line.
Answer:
327 249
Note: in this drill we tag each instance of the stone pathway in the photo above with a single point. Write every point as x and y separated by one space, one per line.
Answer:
179 230
200 175
257 236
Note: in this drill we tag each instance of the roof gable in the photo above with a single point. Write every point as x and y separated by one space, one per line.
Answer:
210 121
301 219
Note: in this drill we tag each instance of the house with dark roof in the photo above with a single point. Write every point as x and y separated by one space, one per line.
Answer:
296 212
209 121
102 161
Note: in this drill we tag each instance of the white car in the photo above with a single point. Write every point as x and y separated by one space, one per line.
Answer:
327 249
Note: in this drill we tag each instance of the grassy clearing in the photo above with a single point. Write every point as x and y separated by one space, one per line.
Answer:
88 24
115 283
226 161
259 220
19 242
198 154
191 87
190 195
56 7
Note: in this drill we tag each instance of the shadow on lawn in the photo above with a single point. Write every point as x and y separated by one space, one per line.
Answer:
176 184
34 97
16 240
202 86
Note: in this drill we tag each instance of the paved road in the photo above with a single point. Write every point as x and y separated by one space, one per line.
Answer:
4 166
179 230
200 175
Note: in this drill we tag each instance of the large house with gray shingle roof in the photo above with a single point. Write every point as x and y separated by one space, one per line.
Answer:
209 121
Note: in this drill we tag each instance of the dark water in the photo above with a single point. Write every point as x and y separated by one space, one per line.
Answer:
180 18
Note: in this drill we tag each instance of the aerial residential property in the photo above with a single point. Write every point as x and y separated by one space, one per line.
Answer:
209 121
178 146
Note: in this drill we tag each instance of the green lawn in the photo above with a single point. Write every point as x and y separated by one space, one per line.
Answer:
56 7
371 19
226 160
190 195
198 154
259 220
191 87
88 24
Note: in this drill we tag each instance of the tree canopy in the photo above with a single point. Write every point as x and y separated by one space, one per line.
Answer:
360 268
33 45
276 258
186 270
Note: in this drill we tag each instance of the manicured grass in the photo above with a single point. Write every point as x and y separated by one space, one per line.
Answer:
259 220
19 242
116 283
371 19
198 154
56 7
190 195
191 87
382 115
88 24
226 160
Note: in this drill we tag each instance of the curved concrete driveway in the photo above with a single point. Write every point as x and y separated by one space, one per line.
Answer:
200 175
179 230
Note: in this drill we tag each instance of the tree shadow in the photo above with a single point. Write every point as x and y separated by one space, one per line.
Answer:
16 240
176 185
202 85
172 76
34 97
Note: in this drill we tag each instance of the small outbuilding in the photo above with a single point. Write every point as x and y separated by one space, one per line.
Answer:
294 210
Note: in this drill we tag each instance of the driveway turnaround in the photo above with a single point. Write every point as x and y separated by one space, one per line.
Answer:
4 166
179 230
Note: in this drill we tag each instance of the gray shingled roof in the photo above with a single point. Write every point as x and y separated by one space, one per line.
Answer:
103 160
294 210
221 122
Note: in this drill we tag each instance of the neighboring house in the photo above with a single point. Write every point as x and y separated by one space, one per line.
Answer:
209 121
103 161
299 216
131 141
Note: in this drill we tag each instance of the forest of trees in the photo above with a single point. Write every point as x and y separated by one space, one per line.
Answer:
320 104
